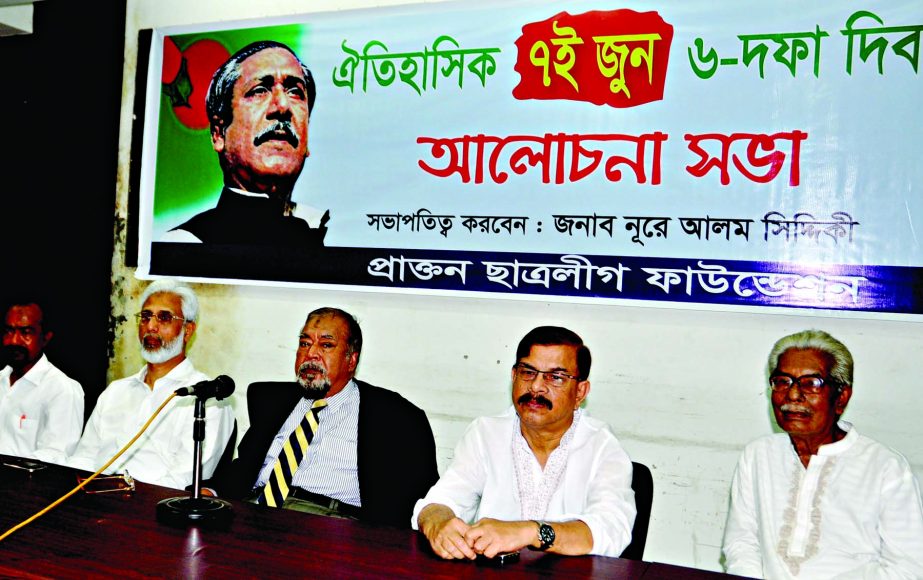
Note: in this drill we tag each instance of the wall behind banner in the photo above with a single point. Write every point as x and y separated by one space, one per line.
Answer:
683 389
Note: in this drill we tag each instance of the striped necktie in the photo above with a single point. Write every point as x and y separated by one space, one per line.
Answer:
294 450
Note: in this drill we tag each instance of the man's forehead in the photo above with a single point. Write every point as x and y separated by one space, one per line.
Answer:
805 358
23 315
326 326
565 354
163 301
269 62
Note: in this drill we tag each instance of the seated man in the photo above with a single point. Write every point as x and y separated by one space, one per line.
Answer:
821 500
41 408
544 474
164 453
348 448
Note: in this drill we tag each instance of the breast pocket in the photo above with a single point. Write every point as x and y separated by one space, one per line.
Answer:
26 434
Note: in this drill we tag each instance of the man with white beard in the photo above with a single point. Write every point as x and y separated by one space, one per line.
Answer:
163 455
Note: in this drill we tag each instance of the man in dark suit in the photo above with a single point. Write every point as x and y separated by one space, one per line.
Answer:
372 455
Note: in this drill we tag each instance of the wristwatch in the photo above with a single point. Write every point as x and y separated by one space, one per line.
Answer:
545 536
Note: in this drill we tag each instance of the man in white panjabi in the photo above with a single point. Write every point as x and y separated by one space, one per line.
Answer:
543 475
164 453
821 500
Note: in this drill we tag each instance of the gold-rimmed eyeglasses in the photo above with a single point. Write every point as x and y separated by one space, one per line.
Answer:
163 317
529 374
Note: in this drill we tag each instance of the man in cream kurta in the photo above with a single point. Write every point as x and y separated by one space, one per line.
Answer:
821 500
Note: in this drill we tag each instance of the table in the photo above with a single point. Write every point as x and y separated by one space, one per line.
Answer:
118 535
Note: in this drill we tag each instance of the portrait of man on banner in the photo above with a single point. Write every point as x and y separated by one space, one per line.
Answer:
256 105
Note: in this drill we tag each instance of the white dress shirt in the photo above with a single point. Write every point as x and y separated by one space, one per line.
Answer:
41 415
595 487
163 455
854 512
330 466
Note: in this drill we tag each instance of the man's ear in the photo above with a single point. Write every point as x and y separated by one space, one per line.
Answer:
48 336
842 399
583 389
353 361
217 132
188 331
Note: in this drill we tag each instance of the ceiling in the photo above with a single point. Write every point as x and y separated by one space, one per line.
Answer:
15 17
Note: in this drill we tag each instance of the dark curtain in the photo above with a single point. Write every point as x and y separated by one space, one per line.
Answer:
60 92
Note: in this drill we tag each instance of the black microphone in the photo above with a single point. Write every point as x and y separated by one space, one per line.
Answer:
220 387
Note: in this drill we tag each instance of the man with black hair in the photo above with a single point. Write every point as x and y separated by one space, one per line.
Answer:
258 105
543 475
41 408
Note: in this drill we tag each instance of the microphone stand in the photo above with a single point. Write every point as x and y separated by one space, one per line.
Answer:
207 511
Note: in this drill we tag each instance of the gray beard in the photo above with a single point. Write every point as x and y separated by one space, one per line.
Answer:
166 351
317 388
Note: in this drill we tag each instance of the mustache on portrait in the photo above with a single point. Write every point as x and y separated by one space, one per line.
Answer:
529 397
279 131
793 408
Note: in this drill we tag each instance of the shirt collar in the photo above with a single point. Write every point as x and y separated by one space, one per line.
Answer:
36 374
343 397
178 374
249 194
844 444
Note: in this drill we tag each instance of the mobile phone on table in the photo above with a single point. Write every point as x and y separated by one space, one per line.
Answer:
499 560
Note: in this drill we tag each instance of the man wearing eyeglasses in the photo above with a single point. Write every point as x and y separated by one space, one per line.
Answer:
543 475
164 453
41 408
821 500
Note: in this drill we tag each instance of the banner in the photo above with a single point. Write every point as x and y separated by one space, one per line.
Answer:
701 153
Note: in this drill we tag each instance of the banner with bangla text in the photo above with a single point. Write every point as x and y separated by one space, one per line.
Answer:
706 153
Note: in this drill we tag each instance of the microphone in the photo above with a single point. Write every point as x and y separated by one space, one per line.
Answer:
195 509
220 387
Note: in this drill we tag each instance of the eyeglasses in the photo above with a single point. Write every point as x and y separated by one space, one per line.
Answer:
528 374
164 316
809 385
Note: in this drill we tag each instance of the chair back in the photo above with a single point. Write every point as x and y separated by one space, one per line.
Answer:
228 454
642 483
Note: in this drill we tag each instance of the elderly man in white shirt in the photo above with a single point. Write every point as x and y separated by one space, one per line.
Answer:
41 408
821 500
164 453
543 475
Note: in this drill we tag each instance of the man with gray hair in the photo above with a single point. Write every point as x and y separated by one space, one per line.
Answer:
164 453
258 104
821 500
328 443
